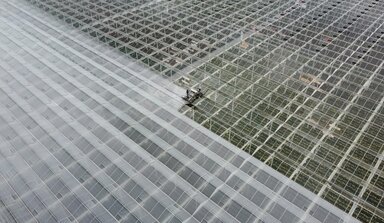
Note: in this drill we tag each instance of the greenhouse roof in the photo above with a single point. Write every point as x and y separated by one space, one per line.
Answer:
289 128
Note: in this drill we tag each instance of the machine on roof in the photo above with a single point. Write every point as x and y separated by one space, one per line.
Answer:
192 95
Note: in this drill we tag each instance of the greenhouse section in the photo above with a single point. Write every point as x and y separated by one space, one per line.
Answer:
299 85
305 95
